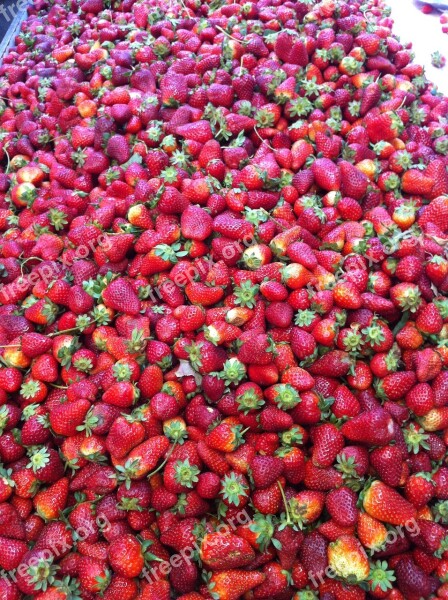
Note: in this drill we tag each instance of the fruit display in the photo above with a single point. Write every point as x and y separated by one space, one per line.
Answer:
223 305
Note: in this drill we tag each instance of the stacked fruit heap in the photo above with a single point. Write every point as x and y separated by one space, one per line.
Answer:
223 320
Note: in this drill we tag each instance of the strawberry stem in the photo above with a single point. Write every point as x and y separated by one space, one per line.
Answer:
286 503
166 459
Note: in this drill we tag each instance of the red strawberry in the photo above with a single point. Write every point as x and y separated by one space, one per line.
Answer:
265 470
388 463
328 442
232 584
118 149
326 174
51 502
383 126
120 296
354 182
66 418
196 223
225 551
200 131
341 504
386 504
372 427
126 556
123 436
412 581
12 552
335 363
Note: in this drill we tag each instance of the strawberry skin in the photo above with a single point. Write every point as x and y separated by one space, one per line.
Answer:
120 296
387 505
221 551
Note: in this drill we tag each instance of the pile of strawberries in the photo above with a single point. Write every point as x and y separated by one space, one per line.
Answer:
223 305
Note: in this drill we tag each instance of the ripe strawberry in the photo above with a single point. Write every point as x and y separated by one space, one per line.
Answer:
412 580
143 458
396 385
94 575
35 344
429 320
372 427
419 489
387 462
414 181
428 364
326 174
233 583
51 502
118 149
12 552
225 551
354 182
276 581
265 470
120 296
200 131
121 393
387 505
123 436
66 418
383 127
328 442
126 556
341 504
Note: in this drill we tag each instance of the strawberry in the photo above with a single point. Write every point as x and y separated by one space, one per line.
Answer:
123 436
354 182
35 344
328 442
143 458
94 575
387 462
66 418
348 559
372 427
126 556
371 532
232 583
335 363
412 580
435 212
396 385
313 554
428 364
200 131
387 505
416 182
383 127
225 551
326 174
12 553
120 296
118 149
341 504
265 470
51 502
